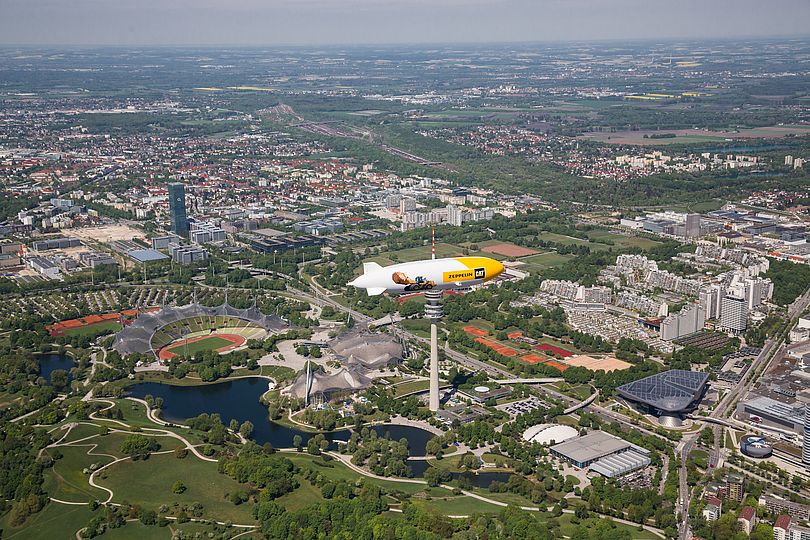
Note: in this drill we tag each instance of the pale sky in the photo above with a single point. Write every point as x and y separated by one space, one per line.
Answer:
278 22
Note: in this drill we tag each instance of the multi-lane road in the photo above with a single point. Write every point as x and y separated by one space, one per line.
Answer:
772 348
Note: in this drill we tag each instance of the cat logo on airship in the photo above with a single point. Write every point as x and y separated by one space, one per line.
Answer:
418 284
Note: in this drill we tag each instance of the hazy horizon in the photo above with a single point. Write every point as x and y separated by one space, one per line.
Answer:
256 23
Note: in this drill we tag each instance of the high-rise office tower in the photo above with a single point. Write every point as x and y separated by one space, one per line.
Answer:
806 438
692 225
177 209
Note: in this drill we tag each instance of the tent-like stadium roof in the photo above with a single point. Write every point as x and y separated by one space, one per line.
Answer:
670 391
371 350
137 337
345 379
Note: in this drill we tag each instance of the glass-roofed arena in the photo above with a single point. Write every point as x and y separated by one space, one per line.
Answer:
182 330
668 395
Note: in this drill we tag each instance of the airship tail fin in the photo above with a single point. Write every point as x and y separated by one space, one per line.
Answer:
375 291
369 267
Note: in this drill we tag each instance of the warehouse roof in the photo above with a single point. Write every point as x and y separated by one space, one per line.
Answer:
146 255
592 446
619 464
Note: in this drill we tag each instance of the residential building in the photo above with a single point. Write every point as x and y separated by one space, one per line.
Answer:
734 312
781 527
713 509
775 505
747 519
691 319
455 215
735 486
407 204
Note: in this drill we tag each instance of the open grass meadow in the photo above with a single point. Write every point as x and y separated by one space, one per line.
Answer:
54 522
622 241
544 261
149 484
335 470
66 480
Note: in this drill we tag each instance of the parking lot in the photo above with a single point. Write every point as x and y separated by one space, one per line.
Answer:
517 408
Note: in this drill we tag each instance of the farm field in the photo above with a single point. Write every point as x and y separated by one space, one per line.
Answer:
695 135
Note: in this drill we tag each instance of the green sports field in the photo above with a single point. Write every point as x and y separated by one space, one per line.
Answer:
210 343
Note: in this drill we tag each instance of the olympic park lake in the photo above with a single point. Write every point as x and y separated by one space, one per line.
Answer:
239 399
48 363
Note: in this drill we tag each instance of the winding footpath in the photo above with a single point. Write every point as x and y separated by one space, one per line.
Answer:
343 459
126 428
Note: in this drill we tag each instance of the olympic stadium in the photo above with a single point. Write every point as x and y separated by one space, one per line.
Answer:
184 330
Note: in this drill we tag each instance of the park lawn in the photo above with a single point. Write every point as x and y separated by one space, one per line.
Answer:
149 483
459 506
564 239
106 327
54 522
420 327
208 344
305 495
379 259
80 432
579 391
134 414
567 528
7 399
66 481
340 472
494 458
508 498
106 444
423 252
623 241
567 421
449 464
278 373
413 386
543 261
